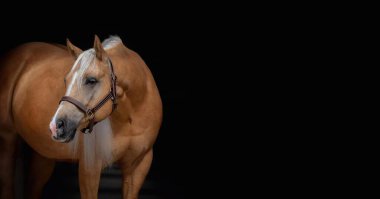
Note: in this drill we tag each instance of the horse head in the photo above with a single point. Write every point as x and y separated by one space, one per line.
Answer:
90 93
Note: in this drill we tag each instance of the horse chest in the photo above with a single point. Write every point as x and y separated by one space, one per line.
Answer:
127 146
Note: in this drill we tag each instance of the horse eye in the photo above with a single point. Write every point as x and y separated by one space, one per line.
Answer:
91 81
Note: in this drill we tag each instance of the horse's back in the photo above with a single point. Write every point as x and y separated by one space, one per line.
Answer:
12 67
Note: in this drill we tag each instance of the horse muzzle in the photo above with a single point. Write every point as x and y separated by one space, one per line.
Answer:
63 130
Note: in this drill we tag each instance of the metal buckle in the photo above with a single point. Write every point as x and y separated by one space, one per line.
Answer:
86 131
113 77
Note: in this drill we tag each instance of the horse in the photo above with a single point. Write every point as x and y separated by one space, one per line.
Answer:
95 107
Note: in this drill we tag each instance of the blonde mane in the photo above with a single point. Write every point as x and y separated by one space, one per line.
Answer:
111 42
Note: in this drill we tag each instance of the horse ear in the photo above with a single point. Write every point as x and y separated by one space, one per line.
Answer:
73 50
100 53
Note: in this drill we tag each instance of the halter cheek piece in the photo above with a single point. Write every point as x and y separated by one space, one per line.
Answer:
90 112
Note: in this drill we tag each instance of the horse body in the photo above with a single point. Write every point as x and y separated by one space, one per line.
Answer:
32 83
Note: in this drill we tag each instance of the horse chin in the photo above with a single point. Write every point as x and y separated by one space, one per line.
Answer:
70 137
67 139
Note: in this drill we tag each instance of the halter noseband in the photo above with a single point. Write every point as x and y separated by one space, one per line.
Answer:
90 112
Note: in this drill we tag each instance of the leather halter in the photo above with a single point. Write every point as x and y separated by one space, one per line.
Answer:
90 112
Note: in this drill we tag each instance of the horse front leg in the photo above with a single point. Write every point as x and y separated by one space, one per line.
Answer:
134 175
89 177
40 171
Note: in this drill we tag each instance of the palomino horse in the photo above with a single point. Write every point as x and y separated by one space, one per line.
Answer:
120 116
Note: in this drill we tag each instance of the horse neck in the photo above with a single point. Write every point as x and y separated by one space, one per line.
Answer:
132 77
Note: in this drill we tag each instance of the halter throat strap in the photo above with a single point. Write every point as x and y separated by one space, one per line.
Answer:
90 112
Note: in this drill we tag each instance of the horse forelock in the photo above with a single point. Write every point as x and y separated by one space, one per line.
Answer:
86 62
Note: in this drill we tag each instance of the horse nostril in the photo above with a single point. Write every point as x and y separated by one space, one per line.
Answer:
60 124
